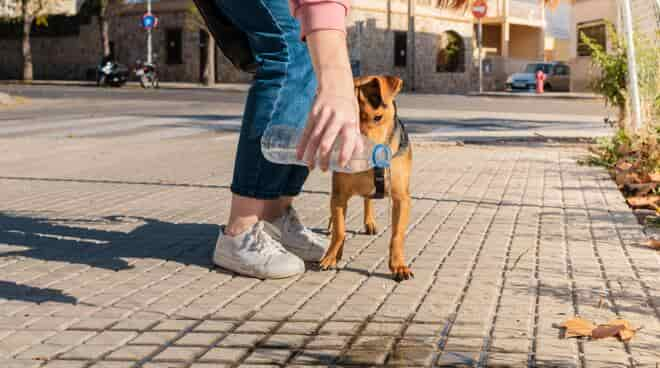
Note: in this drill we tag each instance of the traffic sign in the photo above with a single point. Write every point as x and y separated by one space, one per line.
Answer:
479 9
149 21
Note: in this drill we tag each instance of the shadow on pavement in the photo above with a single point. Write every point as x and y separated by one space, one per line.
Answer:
71 241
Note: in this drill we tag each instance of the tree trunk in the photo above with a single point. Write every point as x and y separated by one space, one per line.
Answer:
104 30
209 69
28 75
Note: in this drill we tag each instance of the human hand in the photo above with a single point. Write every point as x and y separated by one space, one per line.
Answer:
334 114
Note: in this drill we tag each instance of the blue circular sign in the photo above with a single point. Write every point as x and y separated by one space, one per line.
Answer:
148 21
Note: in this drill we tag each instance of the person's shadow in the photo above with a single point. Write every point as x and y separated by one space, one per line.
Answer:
71 241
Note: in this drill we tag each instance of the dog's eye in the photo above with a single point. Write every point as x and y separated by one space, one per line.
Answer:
378 117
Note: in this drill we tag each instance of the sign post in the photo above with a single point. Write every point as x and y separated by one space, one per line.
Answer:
149 21
632 67
479 10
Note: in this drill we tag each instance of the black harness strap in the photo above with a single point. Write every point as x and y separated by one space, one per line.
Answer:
404 143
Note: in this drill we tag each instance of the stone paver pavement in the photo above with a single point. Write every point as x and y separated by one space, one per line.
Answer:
105 262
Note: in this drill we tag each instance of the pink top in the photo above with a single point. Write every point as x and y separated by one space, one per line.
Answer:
315 15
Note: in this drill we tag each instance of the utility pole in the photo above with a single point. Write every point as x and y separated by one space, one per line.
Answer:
149 46
411 43
632 66
481 62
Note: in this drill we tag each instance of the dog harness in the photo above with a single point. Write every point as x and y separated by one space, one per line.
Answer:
381 173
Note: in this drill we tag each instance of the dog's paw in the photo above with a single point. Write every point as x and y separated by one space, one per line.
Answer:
401 273
370 228
327 263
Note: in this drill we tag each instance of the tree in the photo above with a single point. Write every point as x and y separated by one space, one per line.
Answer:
105 10
197 22
31 11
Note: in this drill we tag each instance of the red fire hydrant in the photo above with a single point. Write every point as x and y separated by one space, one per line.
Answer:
540 81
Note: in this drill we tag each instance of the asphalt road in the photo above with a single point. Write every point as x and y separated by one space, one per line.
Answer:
81 111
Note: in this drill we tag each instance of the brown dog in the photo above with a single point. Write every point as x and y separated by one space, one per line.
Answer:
378 121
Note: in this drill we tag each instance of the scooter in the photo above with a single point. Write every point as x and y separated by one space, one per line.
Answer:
148 74
110 73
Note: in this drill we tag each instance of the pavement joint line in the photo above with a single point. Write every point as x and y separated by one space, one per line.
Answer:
192 280
366 321
533 328
96 279
483 358
64 265
645 288
190 328
411 260
330 279
468 279
569 261
603 272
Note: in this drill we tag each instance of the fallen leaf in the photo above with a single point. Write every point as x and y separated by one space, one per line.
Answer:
578 327
650 202
623 165
655 176
604 331
639 189
654 243
625 330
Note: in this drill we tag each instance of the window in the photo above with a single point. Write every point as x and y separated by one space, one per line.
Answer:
400 48
597 33
174 47
561 70
451 53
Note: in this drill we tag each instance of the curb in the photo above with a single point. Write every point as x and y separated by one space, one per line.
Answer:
548 95
229 87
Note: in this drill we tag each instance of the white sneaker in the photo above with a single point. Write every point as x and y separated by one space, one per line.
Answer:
300 240
255 253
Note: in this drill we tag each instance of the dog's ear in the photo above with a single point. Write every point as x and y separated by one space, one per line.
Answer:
378 89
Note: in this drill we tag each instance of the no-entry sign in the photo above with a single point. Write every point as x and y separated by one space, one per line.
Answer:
479 9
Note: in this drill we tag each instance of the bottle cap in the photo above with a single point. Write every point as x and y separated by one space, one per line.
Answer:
381 156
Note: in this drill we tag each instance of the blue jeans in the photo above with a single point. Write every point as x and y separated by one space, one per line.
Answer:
282 92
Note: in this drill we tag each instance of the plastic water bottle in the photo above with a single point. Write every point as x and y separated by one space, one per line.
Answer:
279 145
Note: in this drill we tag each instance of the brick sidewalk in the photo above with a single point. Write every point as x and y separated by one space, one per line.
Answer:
106 263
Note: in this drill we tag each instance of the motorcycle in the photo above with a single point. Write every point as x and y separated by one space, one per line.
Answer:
147 74
110 73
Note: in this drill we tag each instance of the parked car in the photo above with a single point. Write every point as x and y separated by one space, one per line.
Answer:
558 77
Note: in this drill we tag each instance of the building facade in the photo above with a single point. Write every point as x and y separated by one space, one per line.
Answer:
444 47
591 17
8 8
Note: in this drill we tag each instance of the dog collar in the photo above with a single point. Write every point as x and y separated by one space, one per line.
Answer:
380 173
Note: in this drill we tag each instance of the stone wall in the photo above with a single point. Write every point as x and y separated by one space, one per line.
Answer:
376 45
53 58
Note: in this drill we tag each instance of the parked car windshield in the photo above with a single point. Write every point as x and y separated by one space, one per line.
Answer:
532 68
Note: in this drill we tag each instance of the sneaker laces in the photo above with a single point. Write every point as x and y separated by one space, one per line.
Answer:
263 243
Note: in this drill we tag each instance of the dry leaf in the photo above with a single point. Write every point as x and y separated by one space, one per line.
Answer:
623 165
603 331
655 176
650 202
625 331
654 243
639 189
578 327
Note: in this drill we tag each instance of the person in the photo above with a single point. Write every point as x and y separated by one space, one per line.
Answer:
303 78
